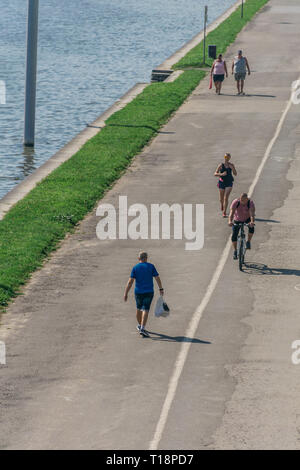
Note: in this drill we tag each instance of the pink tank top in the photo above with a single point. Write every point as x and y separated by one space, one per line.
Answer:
219 68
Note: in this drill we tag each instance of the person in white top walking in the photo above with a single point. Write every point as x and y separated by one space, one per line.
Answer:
218 71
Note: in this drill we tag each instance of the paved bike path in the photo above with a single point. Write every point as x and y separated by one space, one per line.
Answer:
79 376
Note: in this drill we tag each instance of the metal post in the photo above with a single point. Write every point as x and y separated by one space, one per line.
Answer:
242 10
204 39
31 66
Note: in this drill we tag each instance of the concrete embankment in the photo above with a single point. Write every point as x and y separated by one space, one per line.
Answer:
23 188
92 129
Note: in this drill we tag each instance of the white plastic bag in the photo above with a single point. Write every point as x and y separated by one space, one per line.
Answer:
160 309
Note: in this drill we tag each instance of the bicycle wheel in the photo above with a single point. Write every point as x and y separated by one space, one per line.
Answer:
241 255
244 252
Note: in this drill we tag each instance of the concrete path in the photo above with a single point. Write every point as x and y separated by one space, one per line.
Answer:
79 376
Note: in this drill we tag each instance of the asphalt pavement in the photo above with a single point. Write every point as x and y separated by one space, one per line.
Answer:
78 375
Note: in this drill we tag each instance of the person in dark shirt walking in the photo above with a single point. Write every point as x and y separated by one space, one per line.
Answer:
224 172
143 274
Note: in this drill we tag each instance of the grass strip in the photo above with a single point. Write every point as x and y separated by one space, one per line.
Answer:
222 36
34 226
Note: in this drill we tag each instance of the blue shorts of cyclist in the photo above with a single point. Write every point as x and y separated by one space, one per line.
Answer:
143 301
236 228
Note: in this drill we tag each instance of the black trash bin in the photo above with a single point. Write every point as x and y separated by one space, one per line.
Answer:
212 51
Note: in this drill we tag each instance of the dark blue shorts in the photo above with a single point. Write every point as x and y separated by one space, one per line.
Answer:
222 185
143 301
219 78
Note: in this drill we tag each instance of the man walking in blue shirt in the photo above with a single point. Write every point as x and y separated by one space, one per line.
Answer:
143 274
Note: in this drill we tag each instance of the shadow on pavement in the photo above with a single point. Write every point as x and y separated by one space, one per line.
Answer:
267 220
177 339
258 268
247 95
95 127
261 96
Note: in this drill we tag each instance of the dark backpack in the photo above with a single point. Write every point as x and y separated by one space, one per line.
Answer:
239 202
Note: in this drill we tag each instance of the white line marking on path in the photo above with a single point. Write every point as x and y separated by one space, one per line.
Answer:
194 323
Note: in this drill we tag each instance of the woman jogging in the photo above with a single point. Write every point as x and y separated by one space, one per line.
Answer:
224 172
218 71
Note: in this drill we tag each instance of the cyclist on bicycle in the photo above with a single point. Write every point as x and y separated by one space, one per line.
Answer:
242 210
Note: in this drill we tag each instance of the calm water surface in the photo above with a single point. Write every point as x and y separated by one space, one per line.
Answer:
90 53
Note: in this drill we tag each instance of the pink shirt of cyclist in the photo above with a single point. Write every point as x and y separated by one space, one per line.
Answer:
242 213
219 68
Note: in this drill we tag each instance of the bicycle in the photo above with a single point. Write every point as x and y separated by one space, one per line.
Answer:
241 244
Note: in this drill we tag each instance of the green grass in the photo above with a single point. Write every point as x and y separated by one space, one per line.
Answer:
35 225
222 36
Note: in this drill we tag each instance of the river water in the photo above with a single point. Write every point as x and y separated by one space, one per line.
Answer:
90 53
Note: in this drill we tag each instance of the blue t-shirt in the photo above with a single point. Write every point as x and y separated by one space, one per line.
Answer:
143 274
